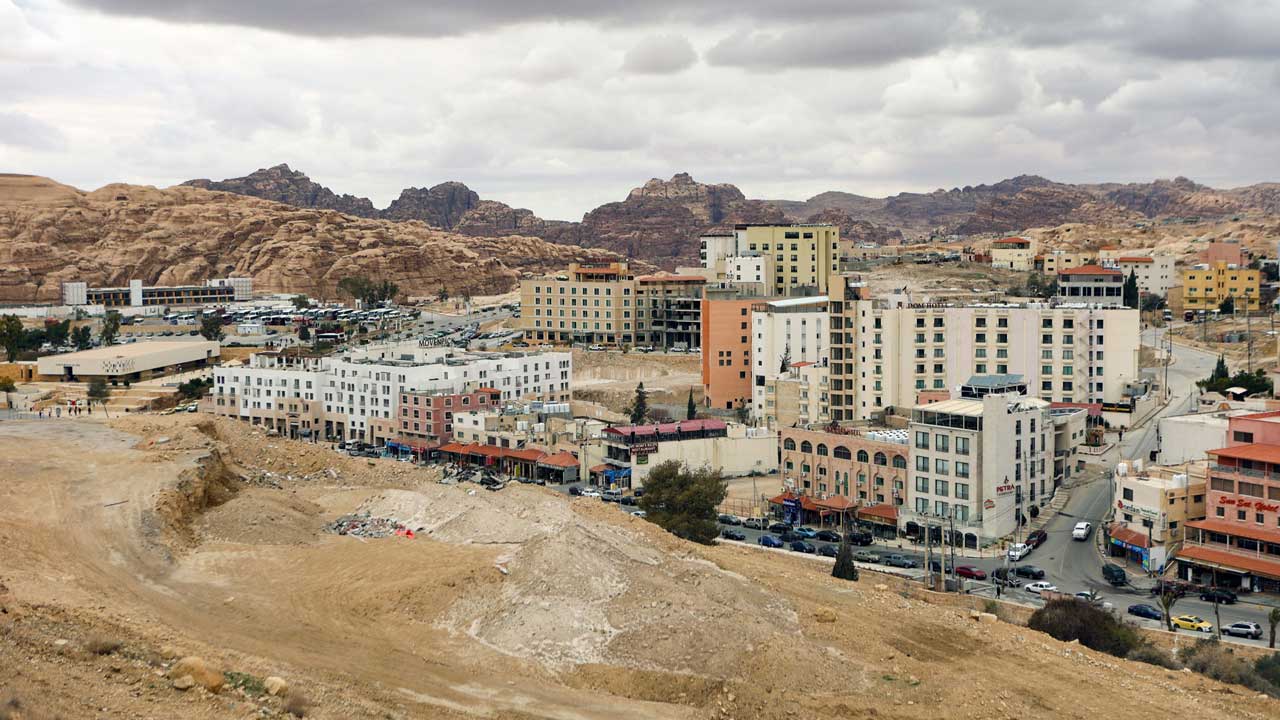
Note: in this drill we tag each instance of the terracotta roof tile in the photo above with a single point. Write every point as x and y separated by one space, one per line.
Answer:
1128 536
1230 560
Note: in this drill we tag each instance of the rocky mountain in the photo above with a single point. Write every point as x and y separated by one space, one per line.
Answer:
442 206
285 185
51 233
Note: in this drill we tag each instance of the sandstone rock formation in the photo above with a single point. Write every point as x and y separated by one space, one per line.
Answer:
51 233
441 206
286 185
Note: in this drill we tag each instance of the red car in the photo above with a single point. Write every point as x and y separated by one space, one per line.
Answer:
971 572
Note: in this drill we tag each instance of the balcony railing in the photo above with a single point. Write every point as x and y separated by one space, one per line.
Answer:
1248 472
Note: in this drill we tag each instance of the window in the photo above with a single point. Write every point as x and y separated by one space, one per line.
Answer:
806 447
922 505
922 440
962 469
1250 489
940 467
941 442
1241 436
922 463
1222 484
922 484
841 452
1128 494
863 456
788 444
962 446
880 459
1222 512
962 491
822 450
899 461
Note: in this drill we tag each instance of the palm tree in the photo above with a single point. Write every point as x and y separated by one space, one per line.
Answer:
1167 601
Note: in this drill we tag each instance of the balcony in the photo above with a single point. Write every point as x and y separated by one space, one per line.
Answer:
1247 472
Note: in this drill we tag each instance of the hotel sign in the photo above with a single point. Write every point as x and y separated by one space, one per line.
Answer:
1247 503
1004 489
1131 508
644 449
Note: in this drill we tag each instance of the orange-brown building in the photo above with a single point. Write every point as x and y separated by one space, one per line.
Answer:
726 346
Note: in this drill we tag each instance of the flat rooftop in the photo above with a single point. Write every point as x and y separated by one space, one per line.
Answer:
133 350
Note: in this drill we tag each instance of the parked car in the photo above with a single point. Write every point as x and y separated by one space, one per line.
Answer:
1029 571
828 536
611 496
806 533
902 561
828 550
802 546
971 572
731 534
1243 629
629 500
769 541
638 492
575 490
754 523
595 348
1019 551
937 566
640 514
1146 611
1192 622
591 493
1081 531
861 538
790 536
1218 595
1037 538
1114 574
779 527
728 519
866 556
1040 586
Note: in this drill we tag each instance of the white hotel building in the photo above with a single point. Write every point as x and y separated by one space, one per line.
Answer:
795 328
354 396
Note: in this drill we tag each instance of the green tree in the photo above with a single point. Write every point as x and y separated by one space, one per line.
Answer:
1152 302
639 409
300 302
369 292
845 569
7 386
1132 298
304 333
110 328
211 326
683 502
58 332
1273 619
691 410
11 336
1220 371
98 391
785 364
82 337
443 294
1228 305
741 412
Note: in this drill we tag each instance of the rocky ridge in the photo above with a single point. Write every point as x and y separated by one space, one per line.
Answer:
51 233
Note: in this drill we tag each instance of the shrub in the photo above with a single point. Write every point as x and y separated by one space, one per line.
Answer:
1213 659
244 681
1094 627
101 645
1268 666
845 569
1153 655
991 606
297 704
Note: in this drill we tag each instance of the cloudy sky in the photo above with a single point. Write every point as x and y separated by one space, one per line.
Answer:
560 105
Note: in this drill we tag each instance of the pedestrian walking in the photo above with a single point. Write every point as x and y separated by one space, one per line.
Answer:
59 411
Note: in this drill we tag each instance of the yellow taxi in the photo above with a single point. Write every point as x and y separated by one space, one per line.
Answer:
1191 622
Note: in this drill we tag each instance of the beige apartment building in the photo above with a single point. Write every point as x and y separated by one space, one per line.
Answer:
1014 253
605 303
1154 273
798 396
789 259
885 353
1152 506
1055 261
870 467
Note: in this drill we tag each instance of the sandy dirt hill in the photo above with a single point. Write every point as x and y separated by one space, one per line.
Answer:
51 233
129 544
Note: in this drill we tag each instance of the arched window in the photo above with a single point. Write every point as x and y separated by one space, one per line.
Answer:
862 456
788 444
822 450
806 447
841 452
881 459
899 461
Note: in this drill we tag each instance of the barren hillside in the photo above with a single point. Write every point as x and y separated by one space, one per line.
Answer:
132 544
51 233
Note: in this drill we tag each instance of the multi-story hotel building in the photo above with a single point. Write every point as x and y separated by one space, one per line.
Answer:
1091 284
1238 541
869 467
1014 253
427 418
1152 271
885 353
784 331
357 396
1055 261
793 259
606 303
213 292
1205 287
726 346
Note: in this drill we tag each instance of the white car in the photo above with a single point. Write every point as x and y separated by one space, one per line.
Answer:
1040 586
1081 531
638 513
596 348
1019 551
591 493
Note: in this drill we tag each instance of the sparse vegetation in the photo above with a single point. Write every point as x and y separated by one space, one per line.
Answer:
110 328
1094 627
370 293
683 502
845 569
1216 660
1153 655
103 645
211 326
297 704
251 684
1256 383
195 388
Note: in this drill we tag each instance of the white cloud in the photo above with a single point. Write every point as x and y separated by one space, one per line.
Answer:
561 106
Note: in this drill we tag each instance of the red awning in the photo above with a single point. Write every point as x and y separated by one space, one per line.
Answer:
1121 532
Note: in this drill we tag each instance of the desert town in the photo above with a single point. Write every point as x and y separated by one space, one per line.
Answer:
245 468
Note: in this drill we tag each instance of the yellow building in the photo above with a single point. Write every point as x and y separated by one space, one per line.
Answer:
803 255
1014 253
1055 261
588 303
1206 286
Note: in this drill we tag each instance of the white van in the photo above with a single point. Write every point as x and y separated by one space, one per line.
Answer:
1081 531
1019 551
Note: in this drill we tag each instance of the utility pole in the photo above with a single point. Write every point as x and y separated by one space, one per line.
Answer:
953 549
928 555
1248 334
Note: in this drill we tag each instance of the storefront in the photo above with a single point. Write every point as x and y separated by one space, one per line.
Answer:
1133 546
880 520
